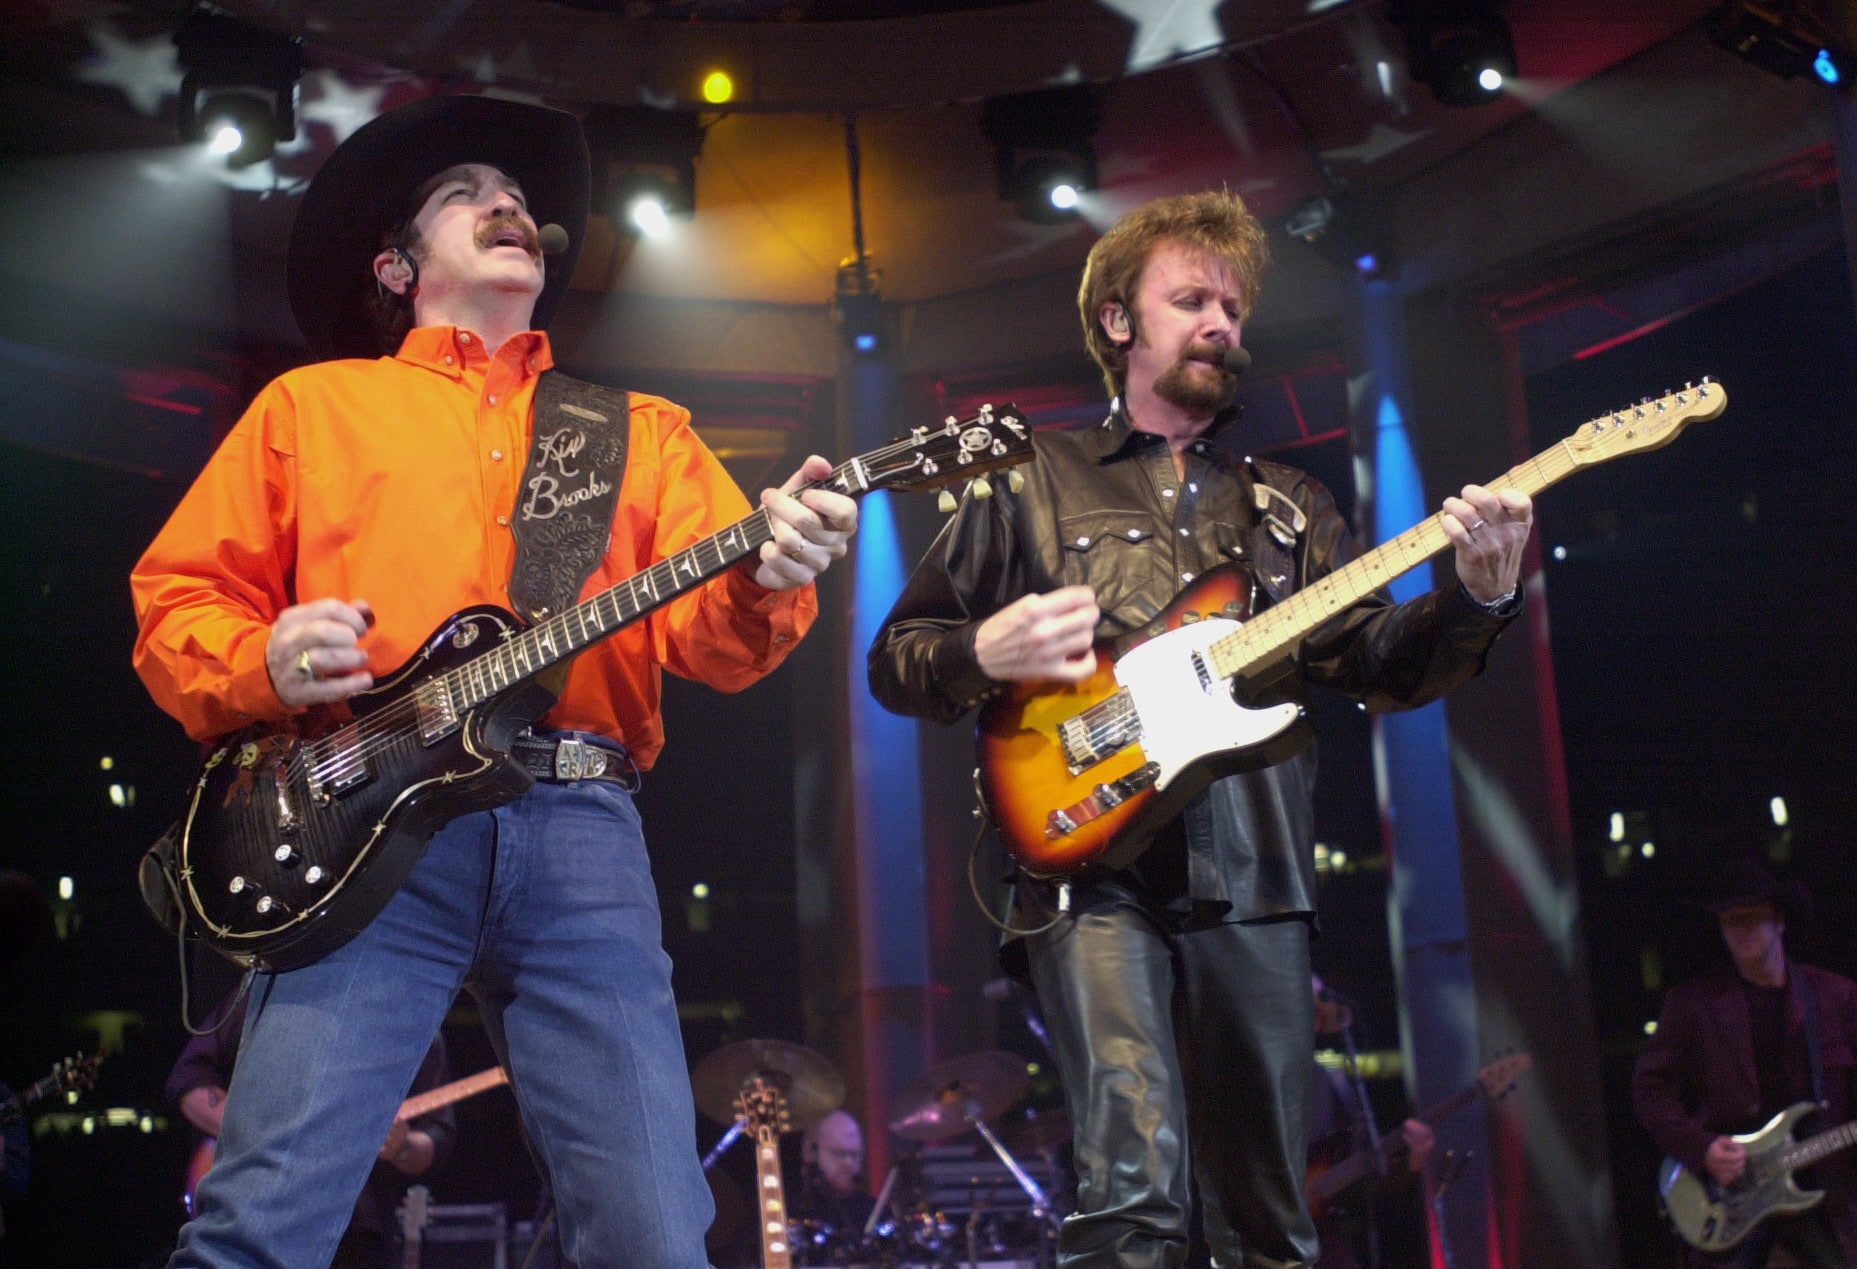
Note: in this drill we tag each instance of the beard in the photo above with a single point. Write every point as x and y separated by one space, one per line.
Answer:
1180 384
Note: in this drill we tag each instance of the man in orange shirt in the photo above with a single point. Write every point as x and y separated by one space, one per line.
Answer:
359 503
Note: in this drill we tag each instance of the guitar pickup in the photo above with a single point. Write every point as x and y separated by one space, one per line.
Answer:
344 767
438 717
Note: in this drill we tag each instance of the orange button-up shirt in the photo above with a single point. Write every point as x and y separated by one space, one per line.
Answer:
394 481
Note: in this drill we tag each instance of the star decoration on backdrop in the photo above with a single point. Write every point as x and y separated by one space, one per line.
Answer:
338 107
1168 29
1379 142
147 72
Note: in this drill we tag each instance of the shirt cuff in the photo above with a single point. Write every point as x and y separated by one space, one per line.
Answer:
251 695
782 609
957 669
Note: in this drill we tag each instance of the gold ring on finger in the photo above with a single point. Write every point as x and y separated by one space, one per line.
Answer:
303 665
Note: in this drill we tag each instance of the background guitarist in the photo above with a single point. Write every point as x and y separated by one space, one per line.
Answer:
1177 991
1336 1131
393 472
1730 1052
197 1088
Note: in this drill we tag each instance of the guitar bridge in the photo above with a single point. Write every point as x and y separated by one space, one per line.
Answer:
1103 798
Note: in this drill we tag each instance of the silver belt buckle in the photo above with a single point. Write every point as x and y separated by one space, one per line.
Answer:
578 760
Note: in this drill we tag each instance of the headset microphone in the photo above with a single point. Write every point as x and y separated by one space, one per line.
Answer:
552 239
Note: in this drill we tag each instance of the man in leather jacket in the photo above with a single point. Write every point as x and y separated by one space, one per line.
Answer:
1177 990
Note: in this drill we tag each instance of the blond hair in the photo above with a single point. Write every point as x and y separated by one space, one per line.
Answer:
1216 222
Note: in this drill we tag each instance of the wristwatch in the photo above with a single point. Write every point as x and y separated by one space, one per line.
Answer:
1499 607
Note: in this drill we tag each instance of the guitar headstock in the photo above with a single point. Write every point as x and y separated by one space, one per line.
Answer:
1651 424
763 1106
75 1074
1499 1076
958 450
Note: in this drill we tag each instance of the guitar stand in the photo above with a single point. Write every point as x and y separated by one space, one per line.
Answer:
729 1138
1041 1206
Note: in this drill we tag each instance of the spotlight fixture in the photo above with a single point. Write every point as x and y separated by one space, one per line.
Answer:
644 165
858 306
1788 40
1462 50
1042 153
238 85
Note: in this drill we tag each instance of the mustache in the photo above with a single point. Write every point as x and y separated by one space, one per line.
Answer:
490 229
1211 354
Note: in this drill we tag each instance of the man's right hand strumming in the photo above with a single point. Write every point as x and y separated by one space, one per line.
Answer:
314 652
1726 1160
1045 636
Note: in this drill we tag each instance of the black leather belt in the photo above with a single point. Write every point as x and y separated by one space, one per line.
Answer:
559 759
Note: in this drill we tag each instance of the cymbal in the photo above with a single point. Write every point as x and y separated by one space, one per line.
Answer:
811 1084
1037 1134
946 1101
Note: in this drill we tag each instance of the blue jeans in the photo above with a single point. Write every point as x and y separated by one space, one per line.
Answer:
545 909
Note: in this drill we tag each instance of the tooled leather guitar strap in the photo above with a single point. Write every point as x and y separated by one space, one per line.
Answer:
570 489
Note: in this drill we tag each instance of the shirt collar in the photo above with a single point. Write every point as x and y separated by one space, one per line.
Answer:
449 351
1117 437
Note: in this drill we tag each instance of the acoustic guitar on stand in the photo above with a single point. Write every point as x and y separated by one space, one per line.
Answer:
1081 776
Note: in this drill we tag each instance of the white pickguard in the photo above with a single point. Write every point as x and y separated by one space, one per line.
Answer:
1184 718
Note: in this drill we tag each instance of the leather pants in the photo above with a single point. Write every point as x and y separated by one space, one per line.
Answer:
1185 1057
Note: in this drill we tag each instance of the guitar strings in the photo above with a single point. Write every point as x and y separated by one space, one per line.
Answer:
336 756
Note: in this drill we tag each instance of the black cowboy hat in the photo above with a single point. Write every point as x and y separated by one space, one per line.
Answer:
364 188
1742 882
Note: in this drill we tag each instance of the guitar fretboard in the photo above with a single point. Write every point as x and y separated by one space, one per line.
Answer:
1279 629
1812 1149
456 1091
562 635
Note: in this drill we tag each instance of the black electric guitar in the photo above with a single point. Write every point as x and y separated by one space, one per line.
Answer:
294 838
69 1076
763 1108
1081 776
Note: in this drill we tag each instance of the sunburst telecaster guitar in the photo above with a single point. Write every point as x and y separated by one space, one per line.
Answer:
294 838
1082 776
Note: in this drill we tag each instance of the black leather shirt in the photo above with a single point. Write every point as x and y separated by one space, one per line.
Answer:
1104 507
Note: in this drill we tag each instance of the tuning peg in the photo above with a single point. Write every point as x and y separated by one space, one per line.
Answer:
945 503
1015 480
982 488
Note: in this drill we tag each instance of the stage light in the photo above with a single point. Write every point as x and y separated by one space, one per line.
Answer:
858 306
1367 265
647 214
644 166
718 88
1462 50
66 888
1310 218
1826 67
700 890
238 86
1043 158
1778 809
1785 41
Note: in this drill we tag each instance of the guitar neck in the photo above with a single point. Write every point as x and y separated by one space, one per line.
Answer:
1278 630
564 634
1819 1146
1393 1147
456 1091
776 1246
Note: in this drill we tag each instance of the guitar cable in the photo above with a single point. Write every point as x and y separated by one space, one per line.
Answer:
973 885
180 944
